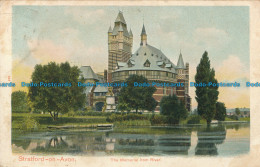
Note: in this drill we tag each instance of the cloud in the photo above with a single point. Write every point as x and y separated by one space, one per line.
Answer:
84 16
211 37
45 51
20 73
234 97
232 69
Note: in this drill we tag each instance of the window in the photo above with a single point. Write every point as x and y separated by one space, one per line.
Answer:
129 64
164 90
147 63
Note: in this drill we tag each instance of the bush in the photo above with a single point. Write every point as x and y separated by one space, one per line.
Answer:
126 117
71 113
234 117
114 118
92 113
158 119
29 124
133 123
195 119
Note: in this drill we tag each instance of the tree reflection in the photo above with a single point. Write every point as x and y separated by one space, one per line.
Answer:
208 138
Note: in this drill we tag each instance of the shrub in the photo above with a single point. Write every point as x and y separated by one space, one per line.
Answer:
195 119
234 117
71 113
126 117
29 124
158 119
92 113
133 123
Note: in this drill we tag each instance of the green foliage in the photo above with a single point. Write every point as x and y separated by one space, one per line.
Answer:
233 117
126 117
57 100
135 97
221 111
19 102
133 123
158 119
29 123
44 120
194 119
91 113
237 111
71 114
173 109
206 96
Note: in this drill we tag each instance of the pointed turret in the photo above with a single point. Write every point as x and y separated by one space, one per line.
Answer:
120 18
120 28
143 37
130 33
143 31
110 30
180 63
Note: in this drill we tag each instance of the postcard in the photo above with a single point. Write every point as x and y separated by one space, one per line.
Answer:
120 83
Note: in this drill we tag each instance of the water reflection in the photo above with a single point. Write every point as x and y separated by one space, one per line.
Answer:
208 138
144 141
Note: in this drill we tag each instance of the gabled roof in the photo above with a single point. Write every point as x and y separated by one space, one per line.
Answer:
101 89
120 18
180 63
88 73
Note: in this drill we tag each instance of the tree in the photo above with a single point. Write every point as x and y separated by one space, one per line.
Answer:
136 97
62 97
206 96
173 108
221 111
19 102
237 111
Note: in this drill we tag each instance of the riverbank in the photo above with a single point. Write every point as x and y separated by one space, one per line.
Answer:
44 121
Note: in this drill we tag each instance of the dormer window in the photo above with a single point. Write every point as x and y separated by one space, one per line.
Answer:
147 63
129 64
163 65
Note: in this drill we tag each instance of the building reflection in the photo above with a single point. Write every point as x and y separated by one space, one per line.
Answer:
208 139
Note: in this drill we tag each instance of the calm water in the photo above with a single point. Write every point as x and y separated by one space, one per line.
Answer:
218 140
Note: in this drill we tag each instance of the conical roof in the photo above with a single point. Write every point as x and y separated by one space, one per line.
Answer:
130 32
180 63
110 29
143 31
120 18
120 28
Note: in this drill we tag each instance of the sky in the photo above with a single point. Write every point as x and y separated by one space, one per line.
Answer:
78 34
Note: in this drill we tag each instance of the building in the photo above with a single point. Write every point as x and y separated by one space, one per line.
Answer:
120 42
96 95
147 61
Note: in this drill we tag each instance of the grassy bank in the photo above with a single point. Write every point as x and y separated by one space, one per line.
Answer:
45 120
